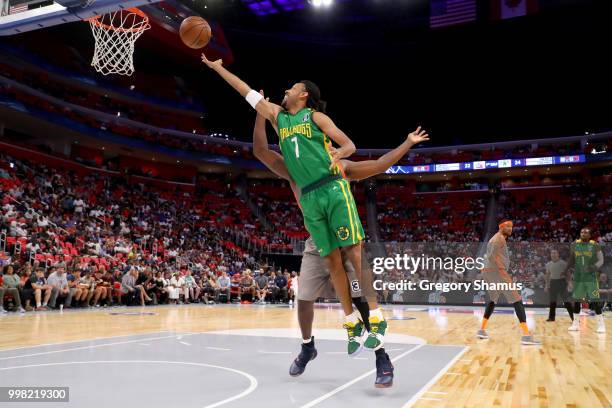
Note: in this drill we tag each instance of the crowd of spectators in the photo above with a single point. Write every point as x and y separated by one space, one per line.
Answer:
94 239
407 217
32 287
557 214
94 227
276 200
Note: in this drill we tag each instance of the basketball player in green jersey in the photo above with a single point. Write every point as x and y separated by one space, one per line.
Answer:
329 210
586 258
314 275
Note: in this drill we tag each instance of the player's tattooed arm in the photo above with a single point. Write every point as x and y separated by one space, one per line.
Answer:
347 147
368 168
266 108
271 159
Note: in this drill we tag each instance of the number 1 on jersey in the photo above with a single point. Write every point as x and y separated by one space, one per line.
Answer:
297 147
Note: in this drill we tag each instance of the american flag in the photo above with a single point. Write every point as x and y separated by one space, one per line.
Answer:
18 8
450 12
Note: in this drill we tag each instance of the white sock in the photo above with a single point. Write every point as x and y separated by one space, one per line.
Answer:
307 341
45 304
37 304
377 313
352 318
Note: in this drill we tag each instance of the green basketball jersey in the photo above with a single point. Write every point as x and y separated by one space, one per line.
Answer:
305 147
585 255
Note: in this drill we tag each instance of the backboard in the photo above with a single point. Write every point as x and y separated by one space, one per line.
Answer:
18 16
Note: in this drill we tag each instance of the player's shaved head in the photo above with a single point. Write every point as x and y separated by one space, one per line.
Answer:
505 227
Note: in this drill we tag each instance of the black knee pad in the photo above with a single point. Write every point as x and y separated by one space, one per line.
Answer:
570 309
489 310
519 308
364 309
598 306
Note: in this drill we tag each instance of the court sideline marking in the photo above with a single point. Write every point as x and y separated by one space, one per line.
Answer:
92 346
84 340
434 379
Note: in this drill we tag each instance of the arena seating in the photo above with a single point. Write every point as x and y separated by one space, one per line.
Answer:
404 215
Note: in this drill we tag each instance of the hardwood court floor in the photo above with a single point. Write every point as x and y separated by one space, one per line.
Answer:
568 370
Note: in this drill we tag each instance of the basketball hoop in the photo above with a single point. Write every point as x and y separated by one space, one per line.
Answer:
115 34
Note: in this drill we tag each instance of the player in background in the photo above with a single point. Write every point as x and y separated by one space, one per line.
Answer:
329 210
314 274
497 262
586 258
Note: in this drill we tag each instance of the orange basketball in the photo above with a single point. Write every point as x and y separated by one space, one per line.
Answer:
195 32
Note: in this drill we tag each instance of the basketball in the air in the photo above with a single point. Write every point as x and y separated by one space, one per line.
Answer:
195 32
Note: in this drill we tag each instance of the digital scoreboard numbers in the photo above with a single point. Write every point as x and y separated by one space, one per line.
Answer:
488 164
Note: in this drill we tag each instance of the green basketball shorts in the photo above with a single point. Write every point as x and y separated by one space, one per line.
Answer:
585 287
330 216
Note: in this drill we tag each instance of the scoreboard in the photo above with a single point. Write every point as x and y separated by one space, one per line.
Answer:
488 164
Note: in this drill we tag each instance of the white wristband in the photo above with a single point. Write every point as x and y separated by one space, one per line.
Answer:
253 98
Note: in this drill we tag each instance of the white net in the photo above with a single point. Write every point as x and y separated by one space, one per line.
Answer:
115 34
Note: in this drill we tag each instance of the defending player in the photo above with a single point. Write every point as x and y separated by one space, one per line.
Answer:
497 262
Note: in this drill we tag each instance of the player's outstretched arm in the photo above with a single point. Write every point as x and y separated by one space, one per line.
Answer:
269 158
368 168
347 147
257 101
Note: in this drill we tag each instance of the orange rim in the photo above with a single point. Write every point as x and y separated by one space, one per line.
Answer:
97 21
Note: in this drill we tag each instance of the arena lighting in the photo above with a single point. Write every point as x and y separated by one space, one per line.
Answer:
321 3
